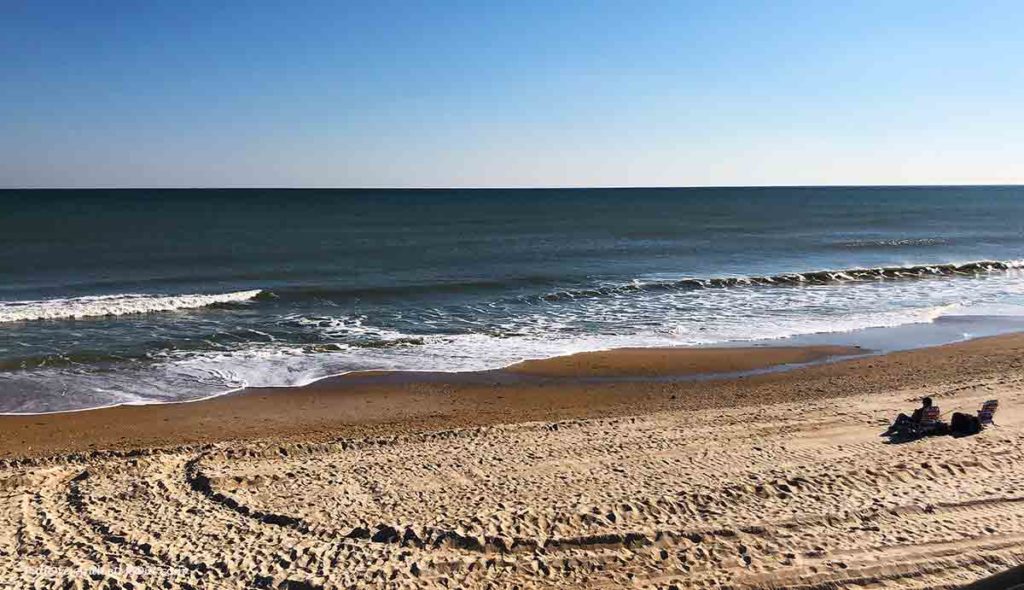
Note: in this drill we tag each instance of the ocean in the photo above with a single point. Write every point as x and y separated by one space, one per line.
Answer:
143 296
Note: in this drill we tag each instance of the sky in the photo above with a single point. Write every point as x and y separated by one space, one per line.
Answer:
510 94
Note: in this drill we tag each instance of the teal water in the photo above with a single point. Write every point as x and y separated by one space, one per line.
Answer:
135 296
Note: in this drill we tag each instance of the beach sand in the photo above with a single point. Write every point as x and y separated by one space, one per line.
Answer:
605 470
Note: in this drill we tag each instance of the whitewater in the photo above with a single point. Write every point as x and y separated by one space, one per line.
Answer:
112 305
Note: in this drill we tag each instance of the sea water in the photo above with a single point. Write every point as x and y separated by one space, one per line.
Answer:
141 296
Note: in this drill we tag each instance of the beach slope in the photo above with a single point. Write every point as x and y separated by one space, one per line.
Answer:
776 480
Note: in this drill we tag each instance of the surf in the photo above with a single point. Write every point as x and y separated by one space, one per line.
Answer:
818 277
98 306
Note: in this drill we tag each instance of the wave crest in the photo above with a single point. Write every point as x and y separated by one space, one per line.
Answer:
820 277
113 305
893 243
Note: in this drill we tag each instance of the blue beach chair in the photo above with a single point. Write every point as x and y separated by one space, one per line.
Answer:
988 412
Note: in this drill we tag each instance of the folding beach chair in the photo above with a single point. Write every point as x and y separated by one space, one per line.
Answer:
930 422
988 412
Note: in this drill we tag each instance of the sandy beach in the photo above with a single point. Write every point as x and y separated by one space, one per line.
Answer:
615 469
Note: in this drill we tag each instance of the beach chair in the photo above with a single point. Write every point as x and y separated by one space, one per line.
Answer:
930 422
988 412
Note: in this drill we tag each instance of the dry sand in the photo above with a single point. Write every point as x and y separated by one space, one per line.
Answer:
771 481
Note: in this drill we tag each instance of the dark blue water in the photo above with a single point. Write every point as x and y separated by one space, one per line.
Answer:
149 295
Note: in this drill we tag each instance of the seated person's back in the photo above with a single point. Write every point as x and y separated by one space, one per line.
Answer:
925 409
926 413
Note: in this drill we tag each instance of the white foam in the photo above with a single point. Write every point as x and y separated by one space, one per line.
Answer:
501 334
276 365
182 376
111 305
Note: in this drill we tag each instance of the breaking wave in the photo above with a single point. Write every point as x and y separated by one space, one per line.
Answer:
821 277
112 305
893 243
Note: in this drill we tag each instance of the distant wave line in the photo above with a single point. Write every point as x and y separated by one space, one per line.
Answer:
134 304
820 277
525 285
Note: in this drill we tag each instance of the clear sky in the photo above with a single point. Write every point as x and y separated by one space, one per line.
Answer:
517 93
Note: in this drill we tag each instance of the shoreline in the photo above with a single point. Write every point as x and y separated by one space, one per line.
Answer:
801 355
879 340
576 386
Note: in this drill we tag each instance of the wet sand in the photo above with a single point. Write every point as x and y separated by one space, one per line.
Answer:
668 362
382 403
581 472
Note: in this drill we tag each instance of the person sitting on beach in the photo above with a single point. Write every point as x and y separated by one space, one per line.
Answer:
903 421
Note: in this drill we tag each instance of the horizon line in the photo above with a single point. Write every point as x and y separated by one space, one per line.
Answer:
494 188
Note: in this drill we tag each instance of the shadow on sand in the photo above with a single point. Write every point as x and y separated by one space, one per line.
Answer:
1011 579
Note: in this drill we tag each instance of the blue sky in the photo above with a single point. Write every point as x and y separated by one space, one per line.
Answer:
510 94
